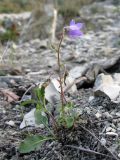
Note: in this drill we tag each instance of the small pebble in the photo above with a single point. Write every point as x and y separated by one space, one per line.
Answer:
108 129
42 126
107 115
112 134
87 109
119 155
118 114
103 141
4 111
98 115
91 98
78 111
10 123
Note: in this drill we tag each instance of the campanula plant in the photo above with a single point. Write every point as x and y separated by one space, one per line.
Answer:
73 31
66 117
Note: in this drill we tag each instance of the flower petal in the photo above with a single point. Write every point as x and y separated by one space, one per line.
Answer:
74 29
80 25
72 22
75 33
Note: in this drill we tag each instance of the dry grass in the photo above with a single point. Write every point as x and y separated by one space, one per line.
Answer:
15 6
70 8
67 8
8 6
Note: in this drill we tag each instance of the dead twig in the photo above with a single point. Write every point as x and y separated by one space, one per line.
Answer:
54 24
11 96
92 134
74 82
27 91
5 51
86 150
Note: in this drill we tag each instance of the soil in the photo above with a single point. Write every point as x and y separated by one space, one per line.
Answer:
77 136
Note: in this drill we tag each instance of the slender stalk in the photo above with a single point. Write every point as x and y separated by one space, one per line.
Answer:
87 150
5 51
48 129
54 121
59 71
50 115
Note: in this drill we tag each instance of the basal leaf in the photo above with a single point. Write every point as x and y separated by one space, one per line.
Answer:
39 118
31 143
69 121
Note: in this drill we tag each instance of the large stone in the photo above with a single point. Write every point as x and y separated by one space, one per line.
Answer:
106 85
13 16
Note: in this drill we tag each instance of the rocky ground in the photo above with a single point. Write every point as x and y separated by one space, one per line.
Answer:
24 64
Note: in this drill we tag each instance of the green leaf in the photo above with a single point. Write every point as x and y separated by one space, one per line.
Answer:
31 143
40 93
39 118
27 102
61 121
69 105
39 106
69 121
54 47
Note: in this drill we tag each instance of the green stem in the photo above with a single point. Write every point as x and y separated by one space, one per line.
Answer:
46 139
54 121
52 117
59 71
49 129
